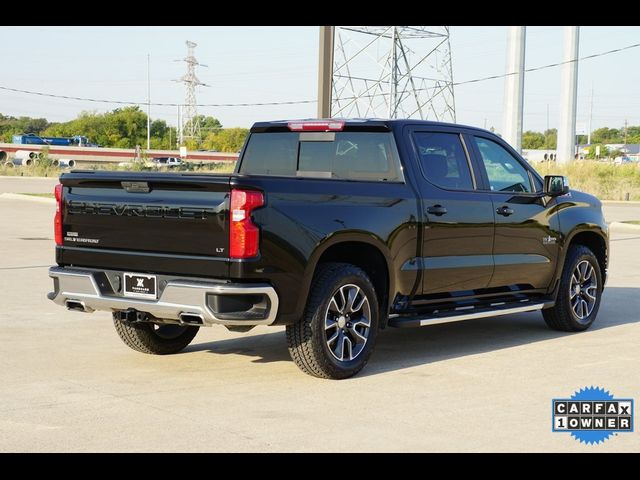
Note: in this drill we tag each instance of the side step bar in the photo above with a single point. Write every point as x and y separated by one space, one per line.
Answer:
446 317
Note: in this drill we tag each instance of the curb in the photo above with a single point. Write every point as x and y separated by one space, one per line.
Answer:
621 202
624 227
28 198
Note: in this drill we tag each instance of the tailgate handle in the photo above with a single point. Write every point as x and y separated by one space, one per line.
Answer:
136 187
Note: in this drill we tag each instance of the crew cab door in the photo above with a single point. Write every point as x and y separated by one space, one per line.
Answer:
457 232
527 227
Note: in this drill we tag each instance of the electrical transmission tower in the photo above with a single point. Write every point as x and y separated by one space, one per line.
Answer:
393 72
188 122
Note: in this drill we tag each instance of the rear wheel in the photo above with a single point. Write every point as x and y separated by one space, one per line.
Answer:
153 338
580 292
338 332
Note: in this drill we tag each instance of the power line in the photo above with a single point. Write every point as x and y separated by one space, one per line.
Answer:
551 65
122 102
298 102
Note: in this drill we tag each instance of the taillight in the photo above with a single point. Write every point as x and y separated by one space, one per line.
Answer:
244 236
57 220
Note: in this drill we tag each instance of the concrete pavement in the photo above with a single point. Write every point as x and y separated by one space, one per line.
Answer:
67 383
27 184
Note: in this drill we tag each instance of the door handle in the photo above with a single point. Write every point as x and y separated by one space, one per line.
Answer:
437 210
505 211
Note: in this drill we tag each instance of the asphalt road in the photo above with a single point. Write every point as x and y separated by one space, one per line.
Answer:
67 383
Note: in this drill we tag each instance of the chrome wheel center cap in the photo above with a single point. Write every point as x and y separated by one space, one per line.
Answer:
342 321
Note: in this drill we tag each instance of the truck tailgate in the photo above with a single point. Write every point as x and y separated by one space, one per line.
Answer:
164 223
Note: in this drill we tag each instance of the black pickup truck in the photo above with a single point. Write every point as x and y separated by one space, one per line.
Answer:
336 229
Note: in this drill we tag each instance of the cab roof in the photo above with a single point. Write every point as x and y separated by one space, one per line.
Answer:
355 124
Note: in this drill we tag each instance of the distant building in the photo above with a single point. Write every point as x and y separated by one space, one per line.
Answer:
631 150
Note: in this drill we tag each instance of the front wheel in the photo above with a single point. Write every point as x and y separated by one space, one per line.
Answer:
153 338
338 332
580 292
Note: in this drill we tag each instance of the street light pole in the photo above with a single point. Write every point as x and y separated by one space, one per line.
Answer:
148 103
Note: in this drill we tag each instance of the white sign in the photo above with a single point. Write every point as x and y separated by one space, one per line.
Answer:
581 129
597 150
183 152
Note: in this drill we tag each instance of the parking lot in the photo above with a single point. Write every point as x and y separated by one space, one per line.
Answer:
67 382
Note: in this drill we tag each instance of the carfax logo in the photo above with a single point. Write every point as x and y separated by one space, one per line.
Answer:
592 415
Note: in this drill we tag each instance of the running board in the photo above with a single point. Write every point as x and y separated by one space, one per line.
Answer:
421 321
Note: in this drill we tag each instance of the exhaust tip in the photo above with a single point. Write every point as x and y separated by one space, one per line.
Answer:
77 306
191 319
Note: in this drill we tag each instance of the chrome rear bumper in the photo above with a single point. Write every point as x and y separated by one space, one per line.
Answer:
78 289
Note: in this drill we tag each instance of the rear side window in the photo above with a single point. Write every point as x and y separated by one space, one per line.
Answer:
443 160
367 156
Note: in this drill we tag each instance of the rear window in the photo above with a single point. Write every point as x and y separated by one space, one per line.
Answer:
368 156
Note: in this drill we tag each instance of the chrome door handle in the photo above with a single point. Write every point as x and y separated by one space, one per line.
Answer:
437 210
505 211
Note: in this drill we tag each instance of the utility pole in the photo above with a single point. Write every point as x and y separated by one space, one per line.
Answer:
514 87
590 116
625 132
568 96
325 72
547 116
179 127
148 102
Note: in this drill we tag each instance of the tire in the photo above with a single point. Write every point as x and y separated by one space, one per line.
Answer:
567 315
153 338
332 313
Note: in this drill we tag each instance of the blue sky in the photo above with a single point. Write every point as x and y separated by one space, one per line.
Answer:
262 64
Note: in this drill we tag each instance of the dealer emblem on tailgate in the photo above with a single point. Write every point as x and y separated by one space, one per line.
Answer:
136 187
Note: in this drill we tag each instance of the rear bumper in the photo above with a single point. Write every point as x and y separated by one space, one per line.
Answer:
86 290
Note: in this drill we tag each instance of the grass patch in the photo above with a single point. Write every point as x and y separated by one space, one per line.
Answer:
604 180
39 170
632 222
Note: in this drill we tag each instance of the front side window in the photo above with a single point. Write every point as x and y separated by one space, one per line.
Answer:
443 160
505 172
368 156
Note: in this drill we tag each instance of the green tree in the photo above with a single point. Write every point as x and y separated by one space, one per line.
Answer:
10 126
123 128
226 140
606 135
550 139
208 125
126 127
532 140
633 134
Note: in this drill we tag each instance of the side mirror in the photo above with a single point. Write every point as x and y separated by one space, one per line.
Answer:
556 185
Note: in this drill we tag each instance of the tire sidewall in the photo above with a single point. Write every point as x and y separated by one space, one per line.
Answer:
346 368
566 286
